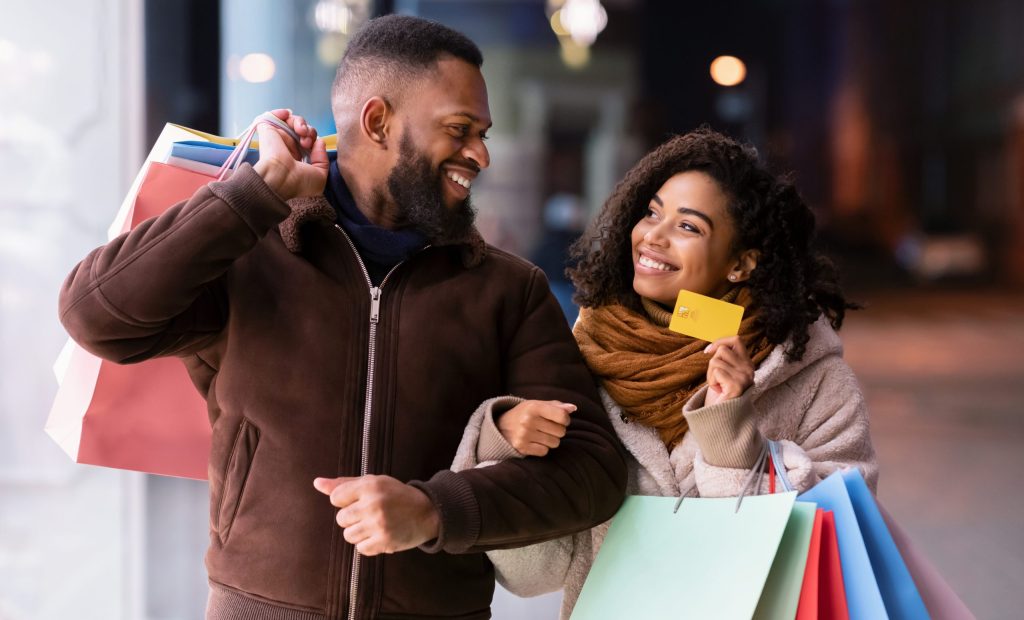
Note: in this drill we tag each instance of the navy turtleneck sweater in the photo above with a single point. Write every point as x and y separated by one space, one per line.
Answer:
380 248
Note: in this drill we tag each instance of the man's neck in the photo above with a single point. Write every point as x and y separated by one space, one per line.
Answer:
367 197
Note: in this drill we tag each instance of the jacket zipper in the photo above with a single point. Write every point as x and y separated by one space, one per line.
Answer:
364 466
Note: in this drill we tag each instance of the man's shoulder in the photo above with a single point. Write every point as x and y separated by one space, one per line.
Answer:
504 260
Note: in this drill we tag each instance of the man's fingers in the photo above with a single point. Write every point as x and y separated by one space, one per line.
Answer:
282 113
348 516
318 155
374 545
327 485
356 533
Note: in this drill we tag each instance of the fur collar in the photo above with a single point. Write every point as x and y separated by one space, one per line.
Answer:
316 209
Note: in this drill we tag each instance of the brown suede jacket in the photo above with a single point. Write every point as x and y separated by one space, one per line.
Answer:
309 371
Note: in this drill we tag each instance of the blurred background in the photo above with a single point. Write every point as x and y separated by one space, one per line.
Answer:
902 122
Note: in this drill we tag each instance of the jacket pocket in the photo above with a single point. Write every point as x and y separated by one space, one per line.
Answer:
236 474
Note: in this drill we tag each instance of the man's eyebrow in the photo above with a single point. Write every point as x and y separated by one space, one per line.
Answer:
472 117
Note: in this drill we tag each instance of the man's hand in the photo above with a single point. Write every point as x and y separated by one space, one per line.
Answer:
280 164
535 426
730 371
380 514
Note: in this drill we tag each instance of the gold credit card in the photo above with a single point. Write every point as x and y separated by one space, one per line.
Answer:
705 318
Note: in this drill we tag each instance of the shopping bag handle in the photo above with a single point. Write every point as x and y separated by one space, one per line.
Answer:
770 451
247 137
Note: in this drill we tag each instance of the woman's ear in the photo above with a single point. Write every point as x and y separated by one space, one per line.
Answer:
745 264
375 120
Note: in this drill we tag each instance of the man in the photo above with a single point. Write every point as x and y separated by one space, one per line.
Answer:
343 321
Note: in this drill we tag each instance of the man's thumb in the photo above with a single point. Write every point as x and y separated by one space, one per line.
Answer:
327 485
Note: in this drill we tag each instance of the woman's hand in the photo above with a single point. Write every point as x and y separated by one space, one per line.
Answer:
535 426
730 371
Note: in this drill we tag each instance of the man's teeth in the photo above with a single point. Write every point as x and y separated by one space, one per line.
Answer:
653 264
461 180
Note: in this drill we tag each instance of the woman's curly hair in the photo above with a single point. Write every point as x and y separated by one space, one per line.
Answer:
792 284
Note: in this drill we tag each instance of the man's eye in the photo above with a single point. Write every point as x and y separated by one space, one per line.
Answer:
460 130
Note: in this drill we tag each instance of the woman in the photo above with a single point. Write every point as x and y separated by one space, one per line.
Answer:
698 213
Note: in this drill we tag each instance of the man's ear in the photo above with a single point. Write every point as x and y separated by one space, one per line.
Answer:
375 120
745 264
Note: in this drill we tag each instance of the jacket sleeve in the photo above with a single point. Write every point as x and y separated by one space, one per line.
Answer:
833 434
158 289
518 502
525 571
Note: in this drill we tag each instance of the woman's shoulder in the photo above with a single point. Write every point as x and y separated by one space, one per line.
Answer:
822 359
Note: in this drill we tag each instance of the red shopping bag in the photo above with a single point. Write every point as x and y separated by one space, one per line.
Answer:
822 596
147 416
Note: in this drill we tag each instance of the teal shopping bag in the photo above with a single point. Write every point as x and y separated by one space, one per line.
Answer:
708 560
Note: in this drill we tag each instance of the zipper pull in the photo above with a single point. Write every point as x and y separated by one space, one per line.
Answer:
374 305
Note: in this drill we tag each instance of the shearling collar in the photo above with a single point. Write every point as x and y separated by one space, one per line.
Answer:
316 209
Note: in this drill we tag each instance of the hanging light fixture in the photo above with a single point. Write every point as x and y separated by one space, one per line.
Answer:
584 19
577 24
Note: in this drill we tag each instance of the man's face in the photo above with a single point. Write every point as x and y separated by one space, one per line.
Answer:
441 150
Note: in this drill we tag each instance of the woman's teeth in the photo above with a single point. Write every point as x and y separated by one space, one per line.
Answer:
653 264
461 180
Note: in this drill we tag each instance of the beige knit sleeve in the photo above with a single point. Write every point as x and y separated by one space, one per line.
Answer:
725 431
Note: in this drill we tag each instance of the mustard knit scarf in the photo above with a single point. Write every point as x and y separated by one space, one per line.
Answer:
649 370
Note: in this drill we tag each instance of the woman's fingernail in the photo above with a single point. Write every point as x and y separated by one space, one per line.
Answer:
707 349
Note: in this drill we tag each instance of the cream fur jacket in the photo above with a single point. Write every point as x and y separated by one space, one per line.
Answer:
814 407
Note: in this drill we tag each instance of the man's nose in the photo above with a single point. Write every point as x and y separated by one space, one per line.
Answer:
476 150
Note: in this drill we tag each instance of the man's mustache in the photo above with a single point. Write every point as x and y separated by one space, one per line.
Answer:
468 163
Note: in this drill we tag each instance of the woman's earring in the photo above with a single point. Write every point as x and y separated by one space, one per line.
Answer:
732 277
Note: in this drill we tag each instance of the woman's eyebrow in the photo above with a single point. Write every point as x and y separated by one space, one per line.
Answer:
694 212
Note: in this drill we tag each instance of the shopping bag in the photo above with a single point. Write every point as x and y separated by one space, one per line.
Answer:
822 596
708 560
781 593
876 580
940 599
863 597
899 593
147 416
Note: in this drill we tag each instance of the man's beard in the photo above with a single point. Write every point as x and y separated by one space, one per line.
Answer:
416 189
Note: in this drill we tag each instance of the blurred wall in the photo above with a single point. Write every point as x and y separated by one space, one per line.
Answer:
70 128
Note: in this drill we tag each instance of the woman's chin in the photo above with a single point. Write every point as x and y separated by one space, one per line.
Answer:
665 298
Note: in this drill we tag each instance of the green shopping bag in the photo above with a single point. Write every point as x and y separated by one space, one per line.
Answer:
708 560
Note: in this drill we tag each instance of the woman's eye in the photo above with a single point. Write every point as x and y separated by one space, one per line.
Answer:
650 213
689 227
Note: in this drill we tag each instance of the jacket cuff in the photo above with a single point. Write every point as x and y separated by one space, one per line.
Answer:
725 431
492 445
252 199
459 512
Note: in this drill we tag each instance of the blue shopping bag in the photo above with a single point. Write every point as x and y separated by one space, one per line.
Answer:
902 599
878 584
210 152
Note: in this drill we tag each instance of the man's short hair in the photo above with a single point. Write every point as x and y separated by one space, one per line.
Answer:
390 52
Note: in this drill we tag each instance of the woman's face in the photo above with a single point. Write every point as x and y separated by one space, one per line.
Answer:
684 240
